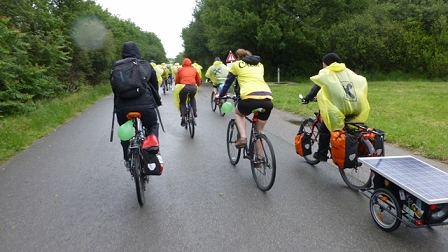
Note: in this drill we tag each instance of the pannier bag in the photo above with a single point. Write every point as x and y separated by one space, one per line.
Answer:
344 149
302 142
151 156
377 140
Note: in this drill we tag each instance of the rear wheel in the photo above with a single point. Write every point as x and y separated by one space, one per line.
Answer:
212 101
360 176
263 163
138 178
307 126
191 122
385 210
233 134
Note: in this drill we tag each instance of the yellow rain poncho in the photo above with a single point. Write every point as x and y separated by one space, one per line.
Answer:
343 93
176 91
159 72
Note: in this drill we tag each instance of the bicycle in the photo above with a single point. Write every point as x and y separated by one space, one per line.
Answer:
358 177
190 121
136 156
216 103
262 162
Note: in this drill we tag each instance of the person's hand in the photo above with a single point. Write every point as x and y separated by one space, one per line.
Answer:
305 101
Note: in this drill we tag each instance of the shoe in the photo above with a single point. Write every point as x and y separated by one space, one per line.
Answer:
320 158
241 142
127 164
182 122
259 162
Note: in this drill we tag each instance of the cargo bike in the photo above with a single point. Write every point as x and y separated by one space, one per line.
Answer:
406 190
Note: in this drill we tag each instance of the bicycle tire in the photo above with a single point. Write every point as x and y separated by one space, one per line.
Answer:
138 177
212 101
233 134
359 177
191 123
385 210
264 174
307 126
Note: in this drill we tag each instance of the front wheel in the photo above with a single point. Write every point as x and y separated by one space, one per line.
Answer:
233 134
138 178
359 177
310 126
385 210
212 101
263 163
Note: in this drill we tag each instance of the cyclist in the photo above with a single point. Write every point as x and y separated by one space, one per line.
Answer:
145 104
217 74
189 77
174 70
165 73
341 94
158 70
254 92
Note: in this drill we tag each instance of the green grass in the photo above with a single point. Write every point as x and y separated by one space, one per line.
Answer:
18 132
413 114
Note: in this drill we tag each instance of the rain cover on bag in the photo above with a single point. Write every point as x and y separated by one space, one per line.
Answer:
342 93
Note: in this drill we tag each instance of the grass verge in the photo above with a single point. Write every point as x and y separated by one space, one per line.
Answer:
19 131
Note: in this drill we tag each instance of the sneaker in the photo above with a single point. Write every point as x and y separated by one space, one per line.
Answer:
320 158
241 142
182 122
127 164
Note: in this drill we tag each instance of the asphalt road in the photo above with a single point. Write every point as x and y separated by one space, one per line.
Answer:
69 191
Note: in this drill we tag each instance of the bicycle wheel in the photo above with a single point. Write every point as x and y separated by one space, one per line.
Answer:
385 210
307 126
263 162
191 122
212 101
233 134
360 176
138 177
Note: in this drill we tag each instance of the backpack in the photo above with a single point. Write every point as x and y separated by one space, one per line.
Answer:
126 78
302 142
344 149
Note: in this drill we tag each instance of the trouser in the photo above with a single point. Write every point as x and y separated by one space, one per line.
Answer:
149 121
324 140
192 89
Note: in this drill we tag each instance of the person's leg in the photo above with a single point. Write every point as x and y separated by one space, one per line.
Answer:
324 143
182 100
262 120
193 91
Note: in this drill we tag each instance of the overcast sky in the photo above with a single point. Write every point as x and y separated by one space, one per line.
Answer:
165 18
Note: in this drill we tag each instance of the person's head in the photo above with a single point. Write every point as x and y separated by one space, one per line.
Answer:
241 53
152 61
130 50
217 59
186 62
330 59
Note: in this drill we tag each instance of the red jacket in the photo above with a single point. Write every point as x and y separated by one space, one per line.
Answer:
187 74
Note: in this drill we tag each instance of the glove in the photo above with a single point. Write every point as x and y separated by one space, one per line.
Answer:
305 100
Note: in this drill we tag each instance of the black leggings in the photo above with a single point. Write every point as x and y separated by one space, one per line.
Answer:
149 121
192 89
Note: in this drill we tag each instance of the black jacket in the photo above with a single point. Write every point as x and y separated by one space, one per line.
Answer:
151 96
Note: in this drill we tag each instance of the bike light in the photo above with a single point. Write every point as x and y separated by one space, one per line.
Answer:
386 182
432 207
418 222
366 136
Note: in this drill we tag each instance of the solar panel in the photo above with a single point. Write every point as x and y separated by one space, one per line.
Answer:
413 175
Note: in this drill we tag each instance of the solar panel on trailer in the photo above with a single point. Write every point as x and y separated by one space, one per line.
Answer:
413 175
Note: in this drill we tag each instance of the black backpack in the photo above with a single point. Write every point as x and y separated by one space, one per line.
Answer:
126 78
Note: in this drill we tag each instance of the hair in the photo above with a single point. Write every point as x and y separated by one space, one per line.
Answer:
241 53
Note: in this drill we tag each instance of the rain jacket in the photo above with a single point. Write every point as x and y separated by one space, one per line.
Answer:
131 50
217 73
343 94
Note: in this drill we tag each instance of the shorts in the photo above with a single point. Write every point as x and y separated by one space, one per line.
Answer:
245 107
